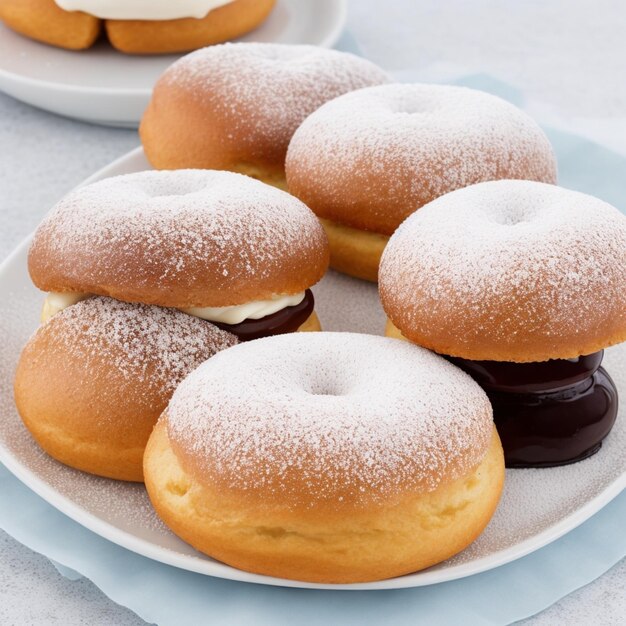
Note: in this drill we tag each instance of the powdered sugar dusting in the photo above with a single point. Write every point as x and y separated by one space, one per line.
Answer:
533 500
152 232
403 145
554 259
274 86
330 417
148 348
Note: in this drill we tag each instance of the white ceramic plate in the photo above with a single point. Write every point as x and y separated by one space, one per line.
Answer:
537 507
103 86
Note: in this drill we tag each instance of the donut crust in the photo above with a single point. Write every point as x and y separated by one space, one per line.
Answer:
73 417
550 285
87 403
45 21
538 354
391 330
311 324
163 36
235 107
275 244
373 175
346 546
354 252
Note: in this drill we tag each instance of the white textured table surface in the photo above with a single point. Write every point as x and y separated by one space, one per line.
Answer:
568 56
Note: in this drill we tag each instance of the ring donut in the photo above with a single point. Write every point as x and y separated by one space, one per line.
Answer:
367 160
521 284
332 457
509 271
236 106
218 245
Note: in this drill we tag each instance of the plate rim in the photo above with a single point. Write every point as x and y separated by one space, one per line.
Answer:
199 565
331 38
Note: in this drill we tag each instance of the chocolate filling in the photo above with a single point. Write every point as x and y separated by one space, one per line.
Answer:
287 320
550 413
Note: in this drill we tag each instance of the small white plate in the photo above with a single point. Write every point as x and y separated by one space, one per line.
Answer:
537 507
103 86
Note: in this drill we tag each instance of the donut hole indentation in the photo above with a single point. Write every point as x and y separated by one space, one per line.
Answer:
325 393
168 189
325 388
172 194
512 216
413 107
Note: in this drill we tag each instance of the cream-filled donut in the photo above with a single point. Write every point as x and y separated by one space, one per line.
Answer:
217 245
135 26
92 381
330 457
368 159
235 107
523 284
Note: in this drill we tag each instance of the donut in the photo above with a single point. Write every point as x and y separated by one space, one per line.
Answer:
522 284
228 21
235 106
92 381
45 21
134 26
220 246
368 159
332 457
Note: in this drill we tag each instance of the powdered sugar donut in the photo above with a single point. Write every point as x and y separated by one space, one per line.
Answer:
331 457
236 106
92 381
524 284
509 271
218 245
367 160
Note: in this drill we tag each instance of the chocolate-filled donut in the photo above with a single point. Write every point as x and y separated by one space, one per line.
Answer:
549 413
199 246
522 285
220 246
286 320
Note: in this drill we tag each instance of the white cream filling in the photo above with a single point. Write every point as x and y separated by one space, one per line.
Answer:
56 302
151 10
235 314
250 311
